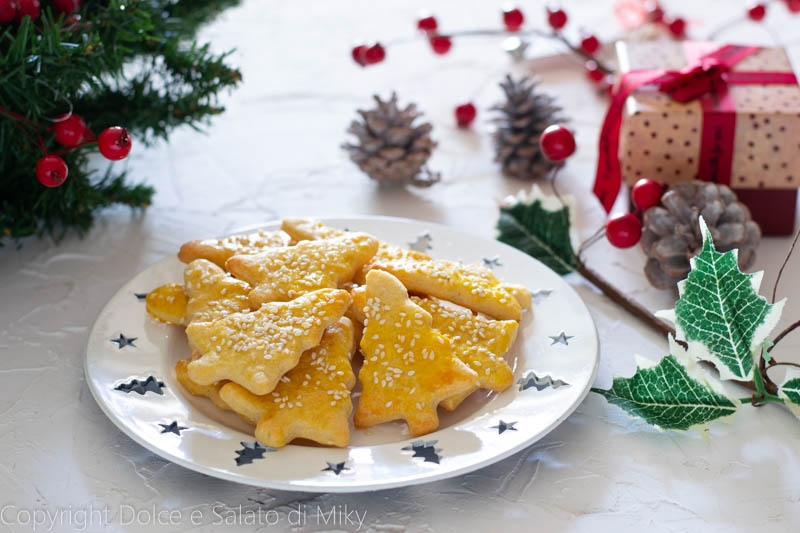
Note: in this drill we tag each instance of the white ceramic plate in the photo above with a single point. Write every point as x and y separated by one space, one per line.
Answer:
554 359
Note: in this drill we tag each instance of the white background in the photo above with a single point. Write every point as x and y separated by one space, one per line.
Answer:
275 152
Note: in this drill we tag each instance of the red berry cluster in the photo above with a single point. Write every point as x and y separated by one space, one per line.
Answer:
71 131
657 15
625 229
513 20
16 10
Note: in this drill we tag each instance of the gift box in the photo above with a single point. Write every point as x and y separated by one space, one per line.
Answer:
724 114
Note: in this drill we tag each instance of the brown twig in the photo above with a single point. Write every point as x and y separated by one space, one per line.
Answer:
784 333
785 261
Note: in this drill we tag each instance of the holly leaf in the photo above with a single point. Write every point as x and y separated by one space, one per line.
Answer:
720 313
790 391
673 394
539 225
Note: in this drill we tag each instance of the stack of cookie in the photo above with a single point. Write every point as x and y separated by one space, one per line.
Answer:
274 319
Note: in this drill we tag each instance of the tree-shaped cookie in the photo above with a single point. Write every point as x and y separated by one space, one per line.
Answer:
281 274
302 229
212 293
471 286
220 250
209 391
256 349
311 401
409 368
479 342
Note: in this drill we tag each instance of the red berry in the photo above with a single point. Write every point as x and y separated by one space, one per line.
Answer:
51 171
623 230
427 24
646 193
557 143
793 6
114 143
590 44
556 18
67 6
8 10
677 27
441 44
374 54
757 12
513 18
70 131
594 72
28 8
655 13
359 54
465 114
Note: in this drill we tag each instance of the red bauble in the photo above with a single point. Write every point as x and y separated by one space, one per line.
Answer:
67 6
556 18
677 27
51 171
114 143
374 54
557 143
359 54
441 44
513 18
8 10
70 131
623 230
427 24
465 114
757 12
594 72
646 193
590 44
29 8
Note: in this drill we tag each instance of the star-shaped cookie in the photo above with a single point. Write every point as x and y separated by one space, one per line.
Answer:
479 342
471 286
311 401
220 250
409 368
256 349
302 229
281 274
167 303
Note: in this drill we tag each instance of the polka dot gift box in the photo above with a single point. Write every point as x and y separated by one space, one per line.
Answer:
723 113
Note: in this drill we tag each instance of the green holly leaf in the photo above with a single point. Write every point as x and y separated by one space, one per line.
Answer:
720 313
790 391
539 225
670 395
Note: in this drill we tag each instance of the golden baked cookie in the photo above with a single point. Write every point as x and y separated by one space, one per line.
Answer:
479 342
409 368
281 274
209 391
471 286
212 292
255 349
220 250
167 303
311 401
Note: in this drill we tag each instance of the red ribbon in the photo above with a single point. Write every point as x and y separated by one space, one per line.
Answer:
706 78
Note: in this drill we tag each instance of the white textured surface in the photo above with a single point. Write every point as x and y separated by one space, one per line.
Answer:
275 153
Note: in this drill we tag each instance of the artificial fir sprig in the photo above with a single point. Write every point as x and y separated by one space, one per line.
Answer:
110 62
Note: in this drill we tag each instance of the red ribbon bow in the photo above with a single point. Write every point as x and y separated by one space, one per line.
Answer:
706 78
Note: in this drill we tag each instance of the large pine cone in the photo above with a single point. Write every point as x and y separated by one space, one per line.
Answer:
671 233
523 117
391 149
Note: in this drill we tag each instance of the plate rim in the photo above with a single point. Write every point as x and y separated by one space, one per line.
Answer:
344 486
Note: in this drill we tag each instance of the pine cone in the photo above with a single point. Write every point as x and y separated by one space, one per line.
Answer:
524 115
671 233
391 149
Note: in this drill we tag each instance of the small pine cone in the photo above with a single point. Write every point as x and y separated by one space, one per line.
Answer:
523 117
671 232
391 149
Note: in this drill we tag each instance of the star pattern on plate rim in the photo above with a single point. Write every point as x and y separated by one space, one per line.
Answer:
150 384
123 341
336 468
172 427
250 452
503 426
531 380
561 338
425 449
